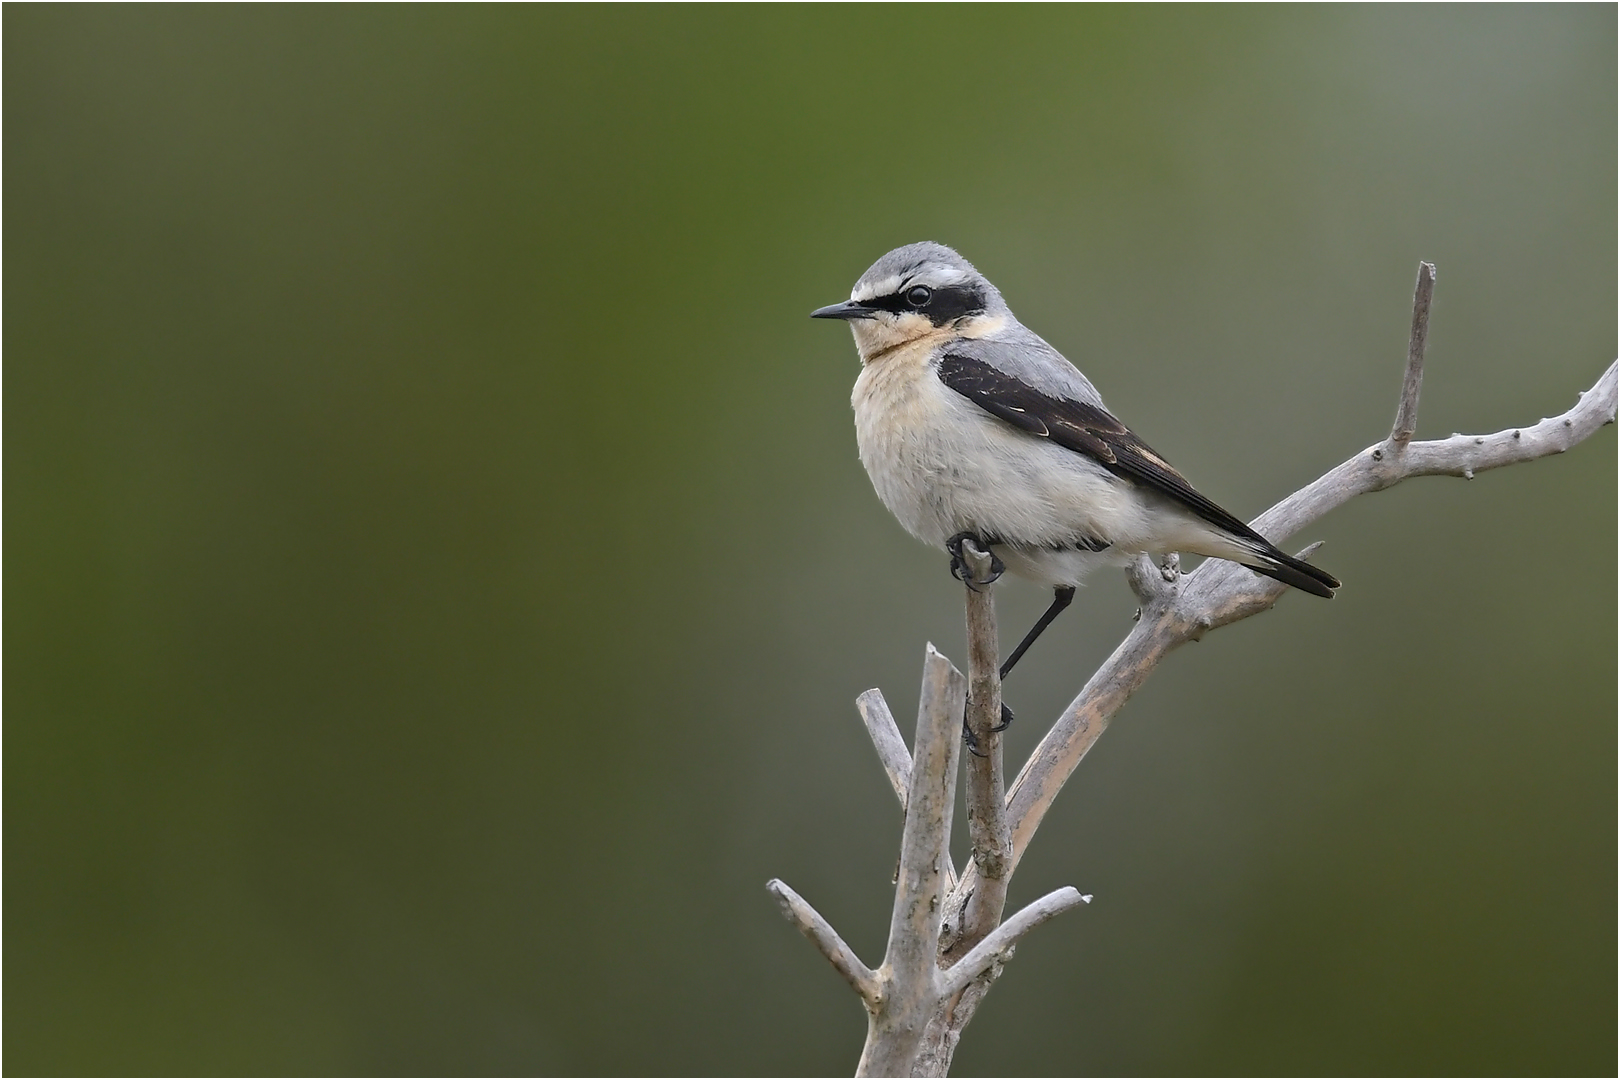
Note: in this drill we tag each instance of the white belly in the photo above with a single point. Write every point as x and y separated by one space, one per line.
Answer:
942 466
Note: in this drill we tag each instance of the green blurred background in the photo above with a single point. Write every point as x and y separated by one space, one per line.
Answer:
440 572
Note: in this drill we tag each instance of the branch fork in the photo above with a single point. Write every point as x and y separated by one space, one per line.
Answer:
947 940
909 988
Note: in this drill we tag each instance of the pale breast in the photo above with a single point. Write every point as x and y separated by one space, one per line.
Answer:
898 428
942 465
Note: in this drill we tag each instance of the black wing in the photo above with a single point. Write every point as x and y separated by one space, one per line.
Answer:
1093 431
1085 429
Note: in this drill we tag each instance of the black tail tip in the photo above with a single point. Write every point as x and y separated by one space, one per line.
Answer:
1299 574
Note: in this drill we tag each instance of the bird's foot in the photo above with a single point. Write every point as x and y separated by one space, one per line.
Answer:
961 571
972 741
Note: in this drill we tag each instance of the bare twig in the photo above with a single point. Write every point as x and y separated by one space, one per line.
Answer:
1461 455
885 733
1086 718
986 802
1000 941
892 753
1412 386
825 938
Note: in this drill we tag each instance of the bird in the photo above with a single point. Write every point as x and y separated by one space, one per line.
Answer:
972 427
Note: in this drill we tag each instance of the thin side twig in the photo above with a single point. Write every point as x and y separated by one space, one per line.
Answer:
1001 940
886 740
1463 456
1412 385
892 754
821 934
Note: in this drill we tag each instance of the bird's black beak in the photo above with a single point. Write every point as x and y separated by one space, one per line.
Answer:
849 309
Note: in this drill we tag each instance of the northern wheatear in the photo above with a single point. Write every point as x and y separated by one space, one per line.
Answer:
971 426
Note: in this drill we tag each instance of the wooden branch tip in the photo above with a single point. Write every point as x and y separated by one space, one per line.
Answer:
1412 385
821 934
919 893
1005 936
886 740
892 754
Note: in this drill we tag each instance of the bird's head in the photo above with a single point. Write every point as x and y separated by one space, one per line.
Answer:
916 291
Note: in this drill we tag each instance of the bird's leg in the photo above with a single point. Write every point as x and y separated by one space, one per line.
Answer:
959 568
961 572
1062 596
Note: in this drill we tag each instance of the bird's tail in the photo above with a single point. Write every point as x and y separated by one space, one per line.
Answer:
1285 568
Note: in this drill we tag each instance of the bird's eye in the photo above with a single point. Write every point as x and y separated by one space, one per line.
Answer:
919 295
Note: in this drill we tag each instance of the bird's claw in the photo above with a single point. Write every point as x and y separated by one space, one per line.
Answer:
959 567
971 741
